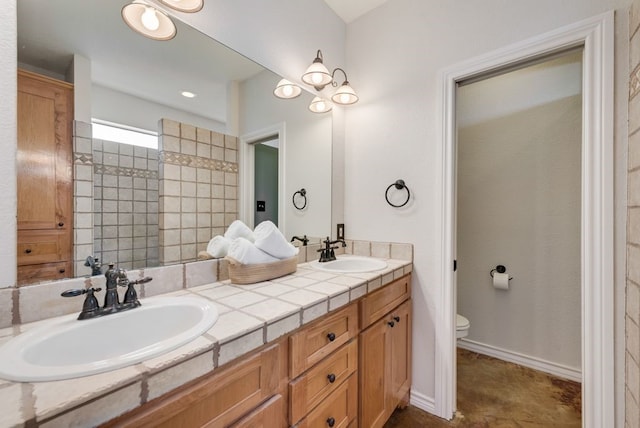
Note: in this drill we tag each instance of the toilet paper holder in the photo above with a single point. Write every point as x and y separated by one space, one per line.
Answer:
499 269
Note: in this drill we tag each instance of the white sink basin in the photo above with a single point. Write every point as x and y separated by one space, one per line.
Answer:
353 264
64 347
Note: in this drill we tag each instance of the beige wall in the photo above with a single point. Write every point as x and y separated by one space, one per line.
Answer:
519 206
632 319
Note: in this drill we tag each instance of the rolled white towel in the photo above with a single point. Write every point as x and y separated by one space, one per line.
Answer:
270 240
238 229
218 246
247 253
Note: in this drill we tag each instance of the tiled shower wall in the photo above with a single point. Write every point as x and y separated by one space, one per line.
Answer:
125 204
632 318
198 189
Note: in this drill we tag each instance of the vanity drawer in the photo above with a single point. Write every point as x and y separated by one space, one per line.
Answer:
378 303
313 343
314 386
44 271
338 410
41 246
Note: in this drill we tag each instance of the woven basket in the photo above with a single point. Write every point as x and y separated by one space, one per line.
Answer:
250 274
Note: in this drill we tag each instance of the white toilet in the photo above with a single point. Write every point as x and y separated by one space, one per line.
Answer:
462 326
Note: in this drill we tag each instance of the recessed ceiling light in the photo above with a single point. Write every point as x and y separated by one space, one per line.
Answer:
188 94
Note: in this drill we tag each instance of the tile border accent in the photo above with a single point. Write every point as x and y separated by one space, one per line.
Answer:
181 159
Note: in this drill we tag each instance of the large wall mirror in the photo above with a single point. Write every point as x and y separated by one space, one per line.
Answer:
123 80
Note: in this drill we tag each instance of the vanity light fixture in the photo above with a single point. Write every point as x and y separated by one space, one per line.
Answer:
145 19
188 6
320 105
345 94
317 74
287 90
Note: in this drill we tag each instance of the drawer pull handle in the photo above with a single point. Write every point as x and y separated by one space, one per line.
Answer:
28 251
396 318
391 323
60 224
331 337
61 270
331 422
331 377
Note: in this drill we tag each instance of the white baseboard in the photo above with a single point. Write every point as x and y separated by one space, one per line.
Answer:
422 402
535 363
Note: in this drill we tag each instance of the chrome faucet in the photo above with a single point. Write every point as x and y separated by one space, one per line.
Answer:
115 277
327 254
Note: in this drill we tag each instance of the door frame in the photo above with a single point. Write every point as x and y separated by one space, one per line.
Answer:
596 35
247 172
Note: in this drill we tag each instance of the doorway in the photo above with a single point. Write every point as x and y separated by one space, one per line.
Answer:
596 36
518 202
266 181
262 176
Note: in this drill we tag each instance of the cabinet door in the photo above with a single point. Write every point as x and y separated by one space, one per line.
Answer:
44 158
374 370
400 352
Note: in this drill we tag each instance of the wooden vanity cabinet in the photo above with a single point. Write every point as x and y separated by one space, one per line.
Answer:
385 352
247 393
45 178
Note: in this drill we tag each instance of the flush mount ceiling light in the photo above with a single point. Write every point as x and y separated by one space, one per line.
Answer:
320 105
287 90
188 6
148 21
188 94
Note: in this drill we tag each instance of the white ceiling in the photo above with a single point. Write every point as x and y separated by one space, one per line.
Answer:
51 31
350 10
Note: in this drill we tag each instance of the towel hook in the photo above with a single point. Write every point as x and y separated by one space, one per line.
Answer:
399 184
303 194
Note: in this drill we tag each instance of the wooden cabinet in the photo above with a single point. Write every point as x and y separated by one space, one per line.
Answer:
328 373
324 362
385 354
45 179
236 393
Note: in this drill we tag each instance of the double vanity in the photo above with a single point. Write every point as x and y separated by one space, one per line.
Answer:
292 351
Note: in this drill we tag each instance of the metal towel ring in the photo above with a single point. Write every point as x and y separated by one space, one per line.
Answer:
303 193
399 184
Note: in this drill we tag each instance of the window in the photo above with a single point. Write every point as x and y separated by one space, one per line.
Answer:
119 133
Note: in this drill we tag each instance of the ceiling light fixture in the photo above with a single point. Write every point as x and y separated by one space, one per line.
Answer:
287 90
188 94
148 21
188 6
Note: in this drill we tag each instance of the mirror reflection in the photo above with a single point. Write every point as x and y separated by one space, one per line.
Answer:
161 199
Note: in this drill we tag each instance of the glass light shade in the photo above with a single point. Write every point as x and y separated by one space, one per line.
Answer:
287 90
188 6
317 75
148 21
320 105
345 95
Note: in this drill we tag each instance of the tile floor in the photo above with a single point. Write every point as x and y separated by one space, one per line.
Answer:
494 393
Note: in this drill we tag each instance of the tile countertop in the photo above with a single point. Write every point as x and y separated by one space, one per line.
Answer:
250 316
